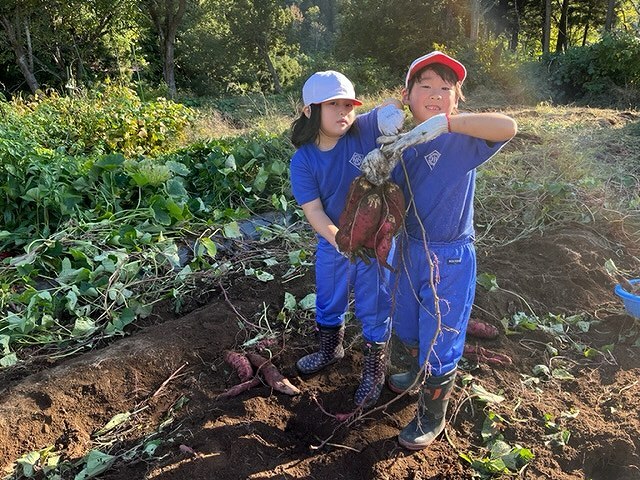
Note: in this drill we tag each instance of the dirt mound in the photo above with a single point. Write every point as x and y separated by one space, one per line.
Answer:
166 377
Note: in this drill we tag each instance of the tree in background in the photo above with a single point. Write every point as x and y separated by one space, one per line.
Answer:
71 42
166 17
15 21
258 30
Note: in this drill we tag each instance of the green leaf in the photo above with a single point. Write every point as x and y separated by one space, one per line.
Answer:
149 448
260 181
308 302
263 276
289 302
541 371
583 326
83 326
210 246
562 374
178 168
28 463
230 163
175 188
232 230
487 281
8 360
591 353
5 339
483 395
96 463
113 423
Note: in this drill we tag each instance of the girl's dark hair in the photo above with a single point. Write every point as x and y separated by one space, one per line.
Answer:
444 72
305 130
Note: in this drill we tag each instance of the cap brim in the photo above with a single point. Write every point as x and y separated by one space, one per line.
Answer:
355 101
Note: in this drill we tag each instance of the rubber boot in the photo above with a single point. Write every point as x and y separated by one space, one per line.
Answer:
400 382
331 350
430 418
372 380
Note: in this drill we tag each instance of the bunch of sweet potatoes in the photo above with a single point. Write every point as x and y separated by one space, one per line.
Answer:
373 214
243 364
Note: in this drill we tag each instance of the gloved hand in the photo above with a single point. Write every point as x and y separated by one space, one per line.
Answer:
425 132
377 166
390 119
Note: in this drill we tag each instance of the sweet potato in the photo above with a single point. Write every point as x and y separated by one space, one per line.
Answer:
358 188
481 329
240 364
271 375
395 200
480 354
366 219
384 239
241 387
369 228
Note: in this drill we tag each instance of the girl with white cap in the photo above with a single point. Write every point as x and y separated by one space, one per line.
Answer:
331 142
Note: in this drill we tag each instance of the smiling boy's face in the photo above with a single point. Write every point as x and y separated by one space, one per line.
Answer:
429 96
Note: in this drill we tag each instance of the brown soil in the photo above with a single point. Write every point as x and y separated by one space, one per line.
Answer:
172 370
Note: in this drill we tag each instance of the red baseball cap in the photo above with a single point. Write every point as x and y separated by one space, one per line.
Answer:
436 57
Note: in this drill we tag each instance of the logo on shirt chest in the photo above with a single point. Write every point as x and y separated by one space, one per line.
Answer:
356 160
432 158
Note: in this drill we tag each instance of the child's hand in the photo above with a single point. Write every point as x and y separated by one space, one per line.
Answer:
425 132
377 167
390 119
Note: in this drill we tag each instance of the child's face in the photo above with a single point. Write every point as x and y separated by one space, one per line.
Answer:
429 96
336 119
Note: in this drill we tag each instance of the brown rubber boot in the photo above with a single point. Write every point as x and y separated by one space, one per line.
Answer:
430 419
331 350
372 381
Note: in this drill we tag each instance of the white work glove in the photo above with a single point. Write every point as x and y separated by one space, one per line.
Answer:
377 167
390 119
425 132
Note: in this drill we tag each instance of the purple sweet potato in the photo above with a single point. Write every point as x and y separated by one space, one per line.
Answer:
481 354
272 375
240 364
480 329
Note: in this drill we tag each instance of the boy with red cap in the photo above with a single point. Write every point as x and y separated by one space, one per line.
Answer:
435 257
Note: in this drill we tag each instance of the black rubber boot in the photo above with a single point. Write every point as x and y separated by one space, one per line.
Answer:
331 350
372 381
430 419
400 382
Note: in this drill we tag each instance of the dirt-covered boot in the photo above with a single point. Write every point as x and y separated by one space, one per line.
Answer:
400 382
372 381
430 419
331 350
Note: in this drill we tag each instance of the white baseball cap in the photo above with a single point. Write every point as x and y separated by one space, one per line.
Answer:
330 85
436 57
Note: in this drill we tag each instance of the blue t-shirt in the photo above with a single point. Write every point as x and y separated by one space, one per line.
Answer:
442 176
328 175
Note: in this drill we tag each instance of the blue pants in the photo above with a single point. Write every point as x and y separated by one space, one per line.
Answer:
335 277
415 320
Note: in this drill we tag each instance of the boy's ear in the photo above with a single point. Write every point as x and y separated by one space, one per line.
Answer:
405 96
307 111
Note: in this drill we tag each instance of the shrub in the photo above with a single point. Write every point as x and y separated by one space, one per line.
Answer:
102 121
596 74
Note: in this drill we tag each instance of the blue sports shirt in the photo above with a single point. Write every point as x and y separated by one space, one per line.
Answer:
440 176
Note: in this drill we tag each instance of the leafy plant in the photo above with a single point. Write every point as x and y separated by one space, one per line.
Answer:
501 457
